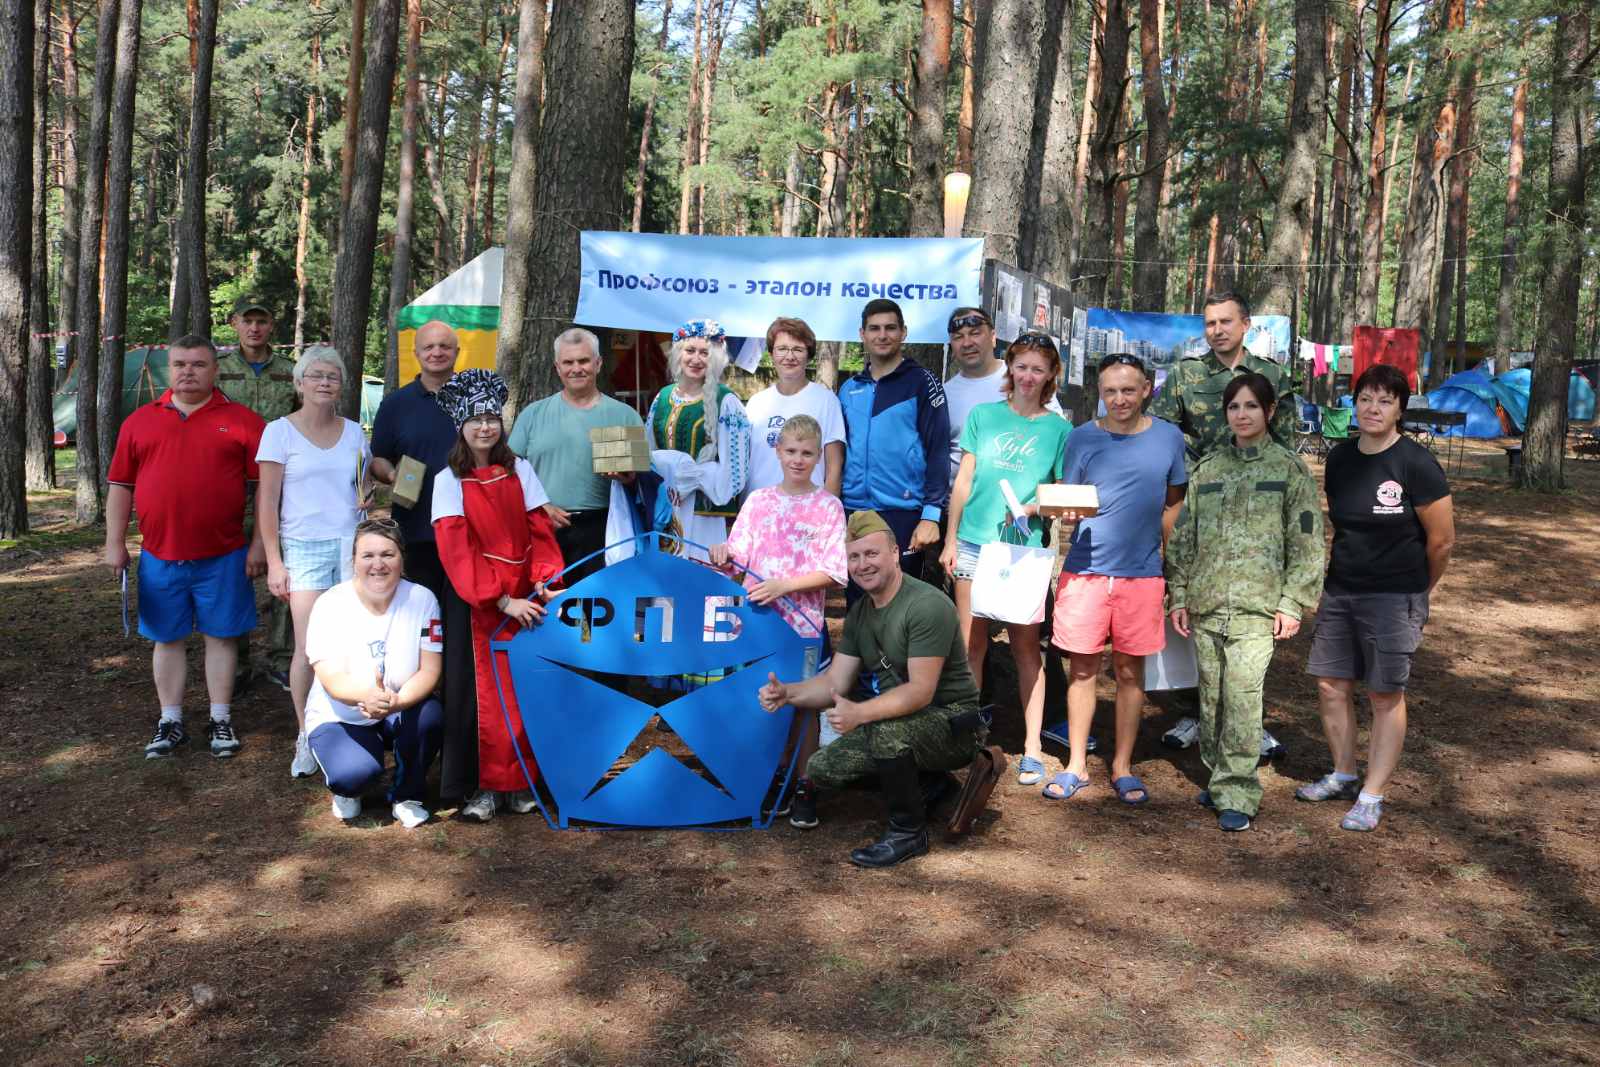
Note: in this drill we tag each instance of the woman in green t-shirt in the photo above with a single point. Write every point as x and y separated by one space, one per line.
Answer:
1019 441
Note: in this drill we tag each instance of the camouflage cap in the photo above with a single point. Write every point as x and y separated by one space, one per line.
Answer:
250 302
863 523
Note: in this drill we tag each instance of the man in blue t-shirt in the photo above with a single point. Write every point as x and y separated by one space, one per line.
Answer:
1111 584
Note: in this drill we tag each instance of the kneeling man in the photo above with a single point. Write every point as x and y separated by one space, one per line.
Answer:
923 721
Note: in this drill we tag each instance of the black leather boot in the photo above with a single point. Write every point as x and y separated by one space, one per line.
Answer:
938 787
907 833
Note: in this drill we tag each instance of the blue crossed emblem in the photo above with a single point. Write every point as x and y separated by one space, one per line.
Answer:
652 615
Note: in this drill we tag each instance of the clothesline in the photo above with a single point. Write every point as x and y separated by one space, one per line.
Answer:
1307 266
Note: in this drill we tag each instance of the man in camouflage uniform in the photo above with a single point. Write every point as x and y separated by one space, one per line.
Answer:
263 382
1191 399
1244 563
923 721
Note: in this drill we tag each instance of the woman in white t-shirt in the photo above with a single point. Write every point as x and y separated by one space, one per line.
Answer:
375 645
314 483
793 345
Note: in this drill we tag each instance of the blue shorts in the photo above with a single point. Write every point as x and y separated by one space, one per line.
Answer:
315 565
213 596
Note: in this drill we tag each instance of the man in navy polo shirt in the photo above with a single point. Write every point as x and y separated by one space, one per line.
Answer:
185 462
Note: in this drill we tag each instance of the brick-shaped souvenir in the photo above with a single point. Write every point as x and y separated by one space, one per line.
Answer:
408 476
1056 500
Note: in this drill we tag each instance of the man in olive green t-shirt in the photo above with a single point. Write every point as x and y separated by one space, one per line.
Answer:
923 720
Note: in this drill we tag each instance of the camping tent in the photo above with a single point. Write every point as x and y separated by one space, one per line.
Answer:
1473 393
145 377
469 302
1514 386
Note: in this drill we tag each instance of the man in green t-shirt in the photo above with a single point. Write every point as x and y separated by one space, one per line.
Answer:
923 721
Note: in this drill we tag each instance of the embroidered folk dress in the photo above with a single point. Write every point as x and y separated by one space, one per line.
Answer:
494 540
707 475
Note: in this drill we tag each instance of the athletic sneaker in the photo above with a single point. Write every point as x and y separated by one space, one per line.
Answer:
223 742
1329 788
1182 735
480 807
1231 821
520 802
169 735
304 764
1363 817
803 808
278 678
346 808
1057 732
409 813
1271 747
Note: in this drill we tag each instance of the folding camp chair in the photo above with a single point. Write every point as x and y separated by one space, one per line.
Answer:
1335 427
1308 431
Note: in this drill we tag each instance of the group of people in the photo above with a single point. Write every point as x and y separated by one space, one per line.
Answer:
1206 526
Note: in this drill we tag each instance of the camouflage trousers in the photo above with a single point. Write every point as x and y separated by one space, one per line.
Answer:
1232 668
926 734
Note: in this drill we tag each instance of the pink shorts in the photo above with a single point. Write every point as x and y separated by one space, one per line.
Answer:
1092 607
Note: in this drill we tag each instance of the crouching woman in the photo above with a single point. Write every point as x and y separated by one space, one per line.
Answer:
375 646
1243 566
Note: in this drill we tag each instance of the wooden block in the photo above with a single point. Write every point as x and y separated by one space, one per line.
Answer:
1056 500
408 476
616 433
603 449
614 457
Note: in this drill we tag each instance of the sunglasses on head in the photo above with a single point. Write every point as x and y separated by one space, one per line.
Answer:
1034 337
1123 358
963 321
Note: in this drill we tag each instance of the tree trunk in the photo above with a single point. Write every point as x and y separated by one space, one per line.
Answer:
835 168
41 453
1296 191
1365 310
1094 263
465 243
492 142
716 31
432 162
352 107
650 115
1086 130
1117 286
71 204
1339 196
1033 220
1561 257
1053 257
1149 270
352 295
1422 248
581 159
87 348
793 174
510 349
691 127
1460 194
400 273
192 220
1505 303
16 254
119 197
1247 20
928 81
1002 132
1349 236
303 232
964 115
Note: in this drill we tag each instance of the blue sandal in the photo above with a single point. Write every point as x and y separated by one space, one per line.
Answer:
1067 782
1029 771
1130 783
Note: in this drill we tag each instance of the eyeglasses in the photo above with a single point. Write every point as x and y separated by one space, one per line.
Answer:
319 379
976 319
790 350
482 420
1123 358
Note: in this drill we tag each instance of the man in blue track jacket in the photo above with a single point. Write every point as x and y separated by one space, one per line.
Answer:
898 430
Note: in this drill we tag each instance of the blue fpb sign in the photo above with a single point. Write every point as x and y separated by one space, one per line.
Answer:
654 614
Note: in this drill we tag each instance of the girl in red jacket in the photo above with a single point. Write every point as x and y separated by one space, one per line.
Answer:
499 551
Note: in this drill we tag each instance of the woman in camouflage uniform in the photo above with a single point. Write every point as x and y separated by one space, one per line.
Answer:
1244 563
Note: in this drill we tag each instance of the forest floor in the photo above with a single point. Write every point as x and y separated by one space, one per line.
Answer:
201 911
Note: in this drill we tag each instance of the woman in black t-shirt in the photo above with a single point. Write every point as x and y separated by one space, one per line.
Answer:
1393 529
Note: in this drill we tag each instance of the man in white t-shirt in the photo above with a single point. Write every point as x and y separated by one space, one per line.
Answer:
979 374
792 345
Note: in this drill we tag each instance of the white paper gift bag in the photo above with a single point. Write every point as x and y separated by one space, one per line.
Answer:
1011 582
1174 666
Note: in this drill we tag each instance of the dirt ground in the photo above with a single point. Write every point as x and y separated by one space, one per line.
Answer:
201 911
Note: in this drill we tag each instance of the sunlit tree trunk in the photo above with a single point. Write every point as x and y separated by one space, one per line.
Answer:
998 210
715 32
1093 267
1149 270
969 72
194 282
928 82
650 115
1057 210
1506 301
405 193
1365 309
303 229
71 203
1296 190
119 195
510 349
691 127
1086 129
352 108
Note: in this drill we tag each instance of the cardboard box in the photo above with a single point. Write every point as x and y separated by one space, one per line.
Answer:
616 433
408 476
1056 500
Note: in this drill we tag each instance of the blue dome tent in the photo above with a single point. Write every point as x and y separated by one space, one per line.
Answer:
1471 392
1513 387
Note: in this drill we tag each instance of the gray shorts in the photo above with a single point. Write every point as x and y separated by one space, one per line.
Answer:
1370 637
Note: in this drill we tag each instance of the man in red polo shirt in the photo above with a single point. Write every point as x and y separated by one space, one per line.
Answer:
185 463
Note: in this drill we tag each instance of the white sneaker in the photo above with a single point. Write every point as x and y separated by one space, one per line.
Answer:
521 801
304 764
409 813
480 808
346 808
1183 735
1271 747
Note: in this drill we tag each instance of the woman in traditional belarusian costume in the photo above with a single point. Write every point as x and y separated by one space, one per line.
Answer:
499 550
709 473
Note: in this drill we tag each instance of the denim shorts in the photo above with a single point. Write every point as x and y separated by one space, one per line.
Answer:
1369 637
315 565
967 560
